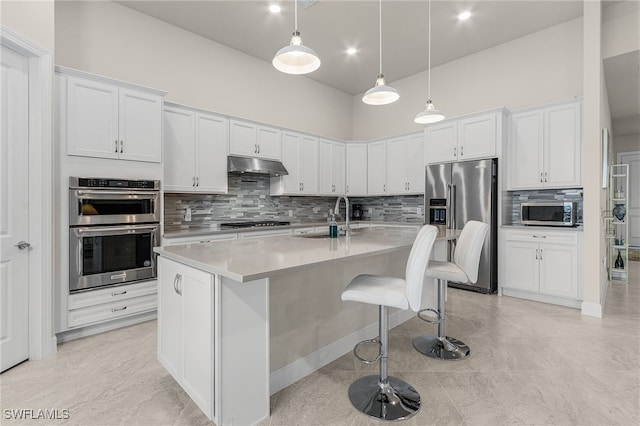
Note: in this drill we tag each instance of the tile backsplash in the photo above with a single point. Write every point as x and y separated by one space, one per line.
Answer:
249 198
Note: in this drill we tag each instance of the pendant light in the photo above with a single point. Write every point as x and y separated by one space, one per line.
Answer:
296 58
380 94
430 113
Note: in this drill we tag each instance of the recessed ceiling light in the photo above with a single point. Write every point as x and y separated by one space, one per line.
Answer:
464 15
352 51
274 8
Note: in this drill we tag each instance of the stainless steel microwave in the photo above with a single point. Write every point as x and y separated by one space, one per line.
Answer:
557 213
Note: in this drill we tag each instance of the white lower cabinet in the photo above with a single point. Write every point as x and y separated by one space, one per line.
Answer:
186 330
96 306
263 234
542 265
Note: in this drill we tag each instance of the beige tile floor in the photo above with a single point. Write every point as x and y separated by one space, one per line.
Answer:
531 363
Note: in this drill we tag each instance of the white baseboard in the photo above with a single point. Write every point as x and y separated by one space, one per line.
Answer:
291 373
592 309
90 330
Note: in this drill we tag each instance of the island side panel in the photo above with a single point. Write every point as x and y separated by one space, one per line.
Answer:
307 314
243 349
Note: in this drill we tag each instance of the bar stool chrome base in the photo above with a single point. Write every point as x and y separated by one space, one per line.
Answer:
395 400
447 348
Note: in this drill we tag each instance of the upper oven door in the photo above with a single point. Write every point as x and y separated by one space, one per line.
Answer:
104 206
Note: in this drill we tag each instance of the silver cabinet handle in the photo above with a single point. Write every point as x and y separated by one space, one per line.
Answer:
384 187
546 176
22 245
176 281
119 293
119 309
455 154
541 254
409 186
539 236
347 188
461 151
541 177
121 147
197 181
116 142
258 148
303 186
536 254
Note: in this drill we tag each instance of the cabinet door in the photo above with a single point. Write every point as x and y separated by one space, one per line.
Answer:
376 168
356 183
325 167
243 139
198 292
338 168
92 119
441 142
396 163
291 153
525 150
269 143
140 116
211 153
415 163
562 146
170 317
309 165
179 147
559 270
521 266
477 137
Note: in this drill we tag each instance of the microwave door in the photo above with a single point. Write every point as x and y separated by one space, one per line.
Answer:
100 207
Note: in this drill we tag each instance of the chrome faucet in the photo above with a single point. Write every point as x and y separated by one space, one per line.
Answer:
347 228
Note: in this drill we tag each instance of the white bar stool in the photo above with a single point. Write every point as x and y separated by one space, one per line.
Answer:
383 397
463 269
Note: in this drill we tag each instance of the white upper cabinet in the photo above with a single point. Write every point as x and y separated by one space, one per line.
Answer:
253 140
356 170
468 138
545 149
376 168
300 157
195 144
107 120
331 167
405 165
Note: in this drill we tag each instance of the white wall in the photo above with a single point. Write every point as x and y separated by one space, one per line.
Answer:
539 68
621 28
33 20
110 39
625 143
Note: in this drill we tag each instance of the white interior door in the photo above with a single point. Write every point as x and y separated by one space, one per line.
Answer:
633 208
14 196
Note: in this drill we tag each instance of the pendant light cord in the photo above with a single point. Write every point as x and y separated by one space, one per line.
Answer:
295 14
429 55
380 17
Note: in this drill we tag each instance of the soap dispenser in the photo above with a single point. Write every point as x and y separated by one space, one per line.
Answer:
333 227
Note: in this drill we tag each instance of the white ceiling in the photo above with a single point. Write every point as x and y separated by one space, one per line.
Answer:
331 26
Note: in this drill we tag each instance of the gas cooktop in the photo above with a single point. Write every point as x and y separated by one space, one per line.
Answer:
253 224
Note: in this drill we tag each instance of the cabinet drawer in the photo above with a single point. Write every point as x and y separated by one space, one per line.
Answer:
308 230
262 234
546 236
111 294
113 310
199 239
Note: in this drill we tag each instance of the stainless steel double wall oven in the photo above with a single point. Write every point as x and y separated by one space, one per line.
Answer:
114 224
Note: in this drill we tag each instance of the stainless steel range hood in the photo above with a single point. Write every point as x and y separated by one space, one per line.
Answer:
255 165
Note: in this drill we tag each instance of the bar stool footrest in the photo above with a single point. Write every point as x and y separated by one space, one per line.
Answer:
428 318
364 360
395 400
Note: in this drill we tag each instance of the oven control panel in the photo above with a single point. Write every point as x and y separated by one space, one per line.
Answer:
78 182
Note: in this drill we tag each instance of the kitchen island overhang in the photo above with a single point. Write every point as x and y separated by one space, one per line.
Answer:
273 312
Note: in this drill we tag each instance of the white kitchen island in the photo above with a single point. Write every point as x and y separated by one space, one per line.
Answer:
239 320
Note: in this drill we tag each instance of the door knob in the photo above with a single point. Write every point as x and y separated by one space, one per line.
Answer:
23 245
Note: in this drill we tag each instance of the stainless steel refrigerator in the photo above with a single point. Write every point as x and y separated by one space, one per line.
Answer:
458 192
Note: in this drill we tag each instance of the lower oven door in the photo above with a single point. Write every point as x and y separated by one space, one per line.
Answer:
111 255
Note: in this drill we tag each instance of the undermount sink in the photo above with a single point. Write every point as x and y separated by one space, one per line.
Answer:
325 235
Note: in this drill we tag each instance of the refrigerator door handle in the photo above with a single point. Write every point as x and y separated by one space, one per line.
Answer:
454 207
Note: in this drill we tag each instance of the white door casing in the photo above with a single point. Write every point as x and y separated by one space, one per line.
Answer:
633 202
14 207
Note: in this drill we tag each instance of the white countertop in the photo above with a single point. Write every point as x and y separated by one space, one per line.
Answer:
248 260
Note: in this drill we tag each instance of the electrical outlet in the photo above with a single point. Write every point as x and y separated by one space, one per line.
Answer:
370 210
187 214
419 211
290 213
